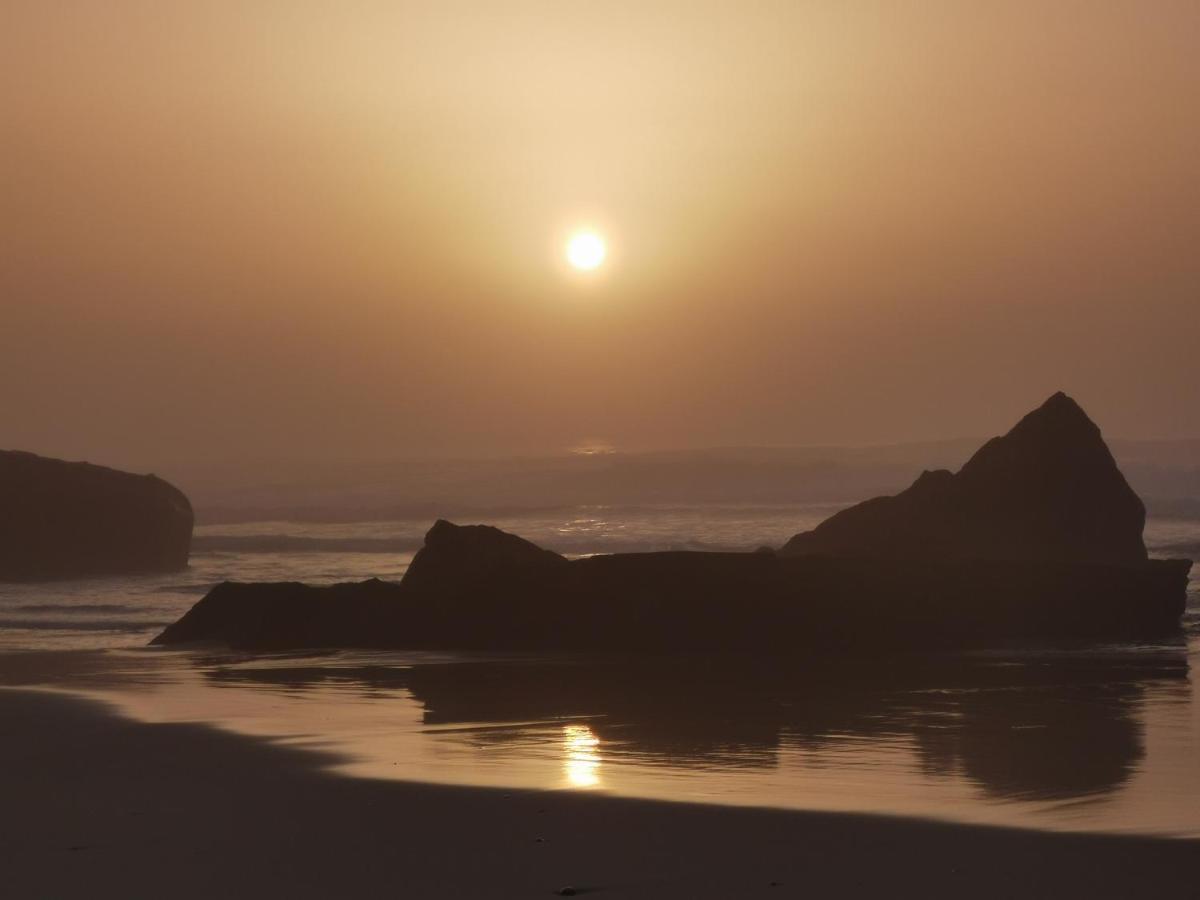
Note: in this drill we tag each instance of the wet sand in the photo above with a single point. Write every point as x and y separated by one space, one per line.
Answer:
100 806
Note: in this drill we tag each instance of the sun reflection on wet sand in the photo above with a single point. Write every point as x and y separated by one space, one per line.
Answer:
1091 742
581 757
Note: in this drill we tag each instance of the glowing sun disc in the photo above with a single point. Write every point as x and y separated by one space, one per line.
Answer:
586 250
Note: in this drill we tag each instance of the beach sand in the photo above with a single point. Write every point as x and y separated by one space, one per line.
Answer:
99 806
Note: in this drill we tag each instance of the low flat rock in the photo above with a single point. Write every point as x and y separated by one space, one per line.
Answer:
677 601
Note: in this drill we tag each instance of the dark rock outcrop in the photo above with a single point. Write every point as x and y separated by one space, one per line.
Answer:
289 614
1037 537
1047 490
67 520
457 559
704 601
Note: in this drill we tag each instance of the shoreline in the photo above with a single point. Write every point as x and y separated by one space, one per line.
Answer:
100 805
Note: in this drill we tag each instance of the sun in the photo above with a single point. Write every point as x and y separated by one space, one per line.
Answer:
586 250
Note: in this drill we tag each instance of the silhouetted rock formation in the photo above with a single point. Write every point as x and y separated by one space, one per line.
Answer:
458 559
65 520
1038 536
1049 489
693 601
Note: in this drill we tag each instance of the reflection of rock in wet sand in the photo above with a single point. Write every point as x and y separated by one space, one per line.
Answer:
1055 741
1049 728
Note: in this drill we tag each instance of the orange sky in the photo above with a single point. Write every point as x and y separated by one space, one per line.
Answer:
313 229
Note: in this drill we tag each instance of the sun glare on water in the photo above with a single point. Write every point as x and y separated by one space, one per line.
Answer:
586 250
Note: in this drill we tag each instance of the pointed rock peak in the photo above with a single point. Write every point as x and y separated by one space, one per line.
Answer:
1057 434
1060 406
1059 413
1049 489
1062 399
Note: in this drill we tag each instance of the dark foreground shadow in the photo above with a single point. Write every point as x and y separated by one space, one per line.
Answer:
98 806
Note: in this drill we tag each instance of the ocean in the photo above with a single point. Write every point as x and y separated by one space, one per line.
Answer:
1061 738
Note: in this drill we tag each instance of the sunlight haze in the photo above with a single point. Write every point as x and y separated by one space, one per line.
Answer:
321 230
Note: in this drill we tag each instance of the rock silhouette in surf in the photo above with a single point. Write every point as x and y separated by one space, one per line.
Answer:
1038 536
1049 489
70 519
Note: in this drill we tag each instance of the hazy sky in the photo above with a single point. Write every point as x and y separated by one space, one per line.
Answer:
260 227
